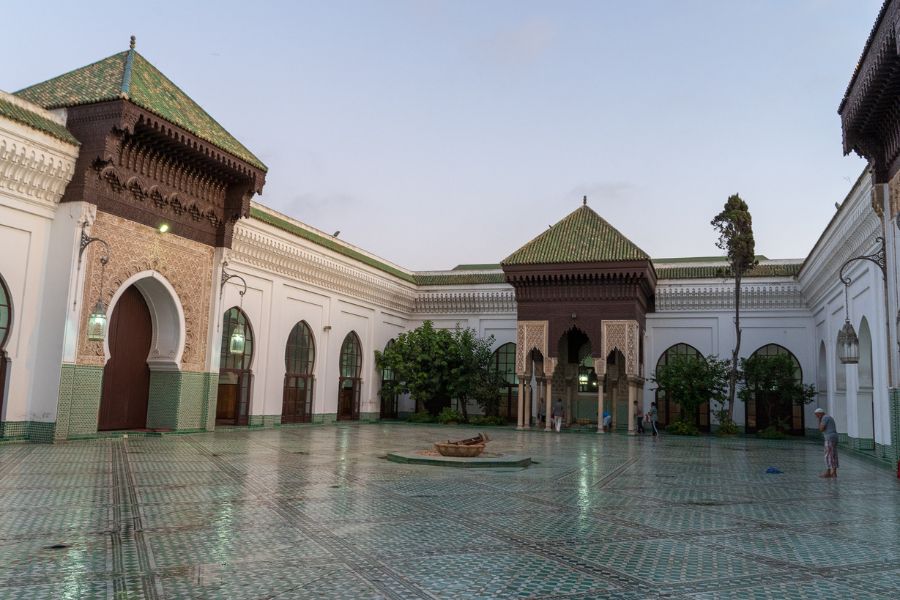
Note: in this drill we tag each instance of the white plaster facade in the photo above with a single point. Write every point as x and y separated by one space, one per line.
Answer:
34 170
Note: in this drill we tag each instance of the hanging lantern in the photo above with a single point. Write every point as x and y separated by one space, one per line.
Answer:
96 329
848 344
236 345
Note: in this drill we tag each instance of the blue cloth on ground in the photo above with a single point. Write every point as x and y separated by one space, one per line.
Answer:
773 471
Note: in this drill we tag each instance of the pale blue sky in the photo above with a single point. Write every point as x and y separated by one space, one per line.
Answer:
438 132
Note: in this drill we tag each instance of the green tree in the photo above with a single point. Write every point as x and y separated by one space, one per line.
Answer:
735 227
435 366
773 381
691 380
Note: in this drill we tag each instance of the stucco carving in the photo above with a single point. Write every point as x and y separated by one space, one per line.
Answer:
186 265
33 170
300 264
530 335
466 301
624 336
718 296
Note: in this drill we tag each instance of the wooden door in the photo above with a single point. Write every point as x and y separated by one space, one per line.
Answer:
126 377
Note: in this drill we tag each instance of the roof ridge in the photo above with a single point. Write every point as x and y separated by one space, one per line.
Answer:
61 75
126 72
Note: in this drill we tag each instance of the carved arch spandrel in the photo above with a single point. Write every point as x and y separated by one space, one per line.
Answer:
186 265
530 335
624 336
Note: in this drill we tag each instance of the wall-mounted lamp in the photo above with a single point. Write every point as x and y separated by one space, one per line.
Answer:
164 228
96 325
238 338
848 341
326 328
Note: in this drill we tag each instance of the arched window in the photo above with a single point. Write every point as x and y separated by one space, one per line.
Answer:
760 413
668 411
5 327
504 363
389 407
349 383
235 376
299 358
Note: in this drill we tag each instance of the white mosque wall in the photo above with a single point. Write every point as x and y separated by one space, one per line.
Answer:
712 333
34 170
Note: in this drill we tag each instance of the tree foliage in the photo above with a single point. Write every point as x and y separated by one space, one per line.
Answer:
434 366
735 227
772 380
691 380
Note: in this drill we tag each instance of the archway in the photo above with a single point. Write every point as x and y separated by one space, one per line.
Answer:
235 375
839 408
771 410
615 389
668 410
822 377
299 360
865 396
504 364
580 381
349 383
126 376
5 327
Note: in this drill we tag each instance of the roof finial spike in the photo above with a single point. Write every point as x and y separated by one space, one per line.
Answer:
133 41
584 201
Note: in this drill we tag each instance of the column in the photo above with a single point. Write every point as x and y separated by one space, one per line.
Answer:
526 416
570 392
520 405
548 400
632 395
600 407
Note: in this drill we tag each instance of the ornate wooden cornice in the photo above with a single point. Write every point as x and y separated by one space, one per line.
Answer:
138 166
870 105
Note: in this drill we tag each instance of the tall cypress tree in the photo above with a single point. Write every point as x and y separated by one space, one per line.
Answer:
735 227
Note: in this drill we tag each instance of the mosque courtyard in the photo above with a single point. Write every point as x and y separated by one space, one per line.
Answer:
317 512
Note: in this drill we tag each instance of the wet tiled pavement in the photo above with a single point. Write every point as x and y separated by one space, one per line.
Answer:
316 512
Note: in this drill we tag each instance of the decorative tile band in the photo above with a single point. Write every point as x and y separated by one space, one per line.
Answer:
80 387
32 431
324 418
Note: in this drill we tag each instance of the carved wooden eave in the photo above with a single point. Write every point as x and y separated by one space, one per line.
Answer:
870 106
583 295
138 166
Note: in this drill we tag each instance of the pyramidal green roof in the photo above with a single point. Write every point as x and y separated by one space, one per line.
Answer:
130 76
582 236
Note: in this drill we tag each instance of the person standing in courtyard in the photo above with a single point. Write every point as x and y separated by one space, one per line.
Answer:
558 413
639 417
654 415
829 431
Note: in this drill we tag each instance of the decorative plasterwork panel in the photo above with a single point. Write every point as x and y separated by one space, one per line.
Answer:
32 170
530 335
467 301
134 248
756 296
297 263
624 336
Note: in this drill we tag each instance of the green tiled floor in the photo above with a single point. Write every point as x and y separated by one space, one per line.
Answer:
316 512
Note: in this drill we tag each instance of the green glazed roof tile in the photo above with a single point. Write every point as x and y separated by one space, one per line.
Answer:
724 271
582 236
130 76
20 114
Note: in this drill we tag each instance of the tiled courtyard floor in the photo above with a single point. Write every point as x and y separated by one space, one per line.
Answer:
314 512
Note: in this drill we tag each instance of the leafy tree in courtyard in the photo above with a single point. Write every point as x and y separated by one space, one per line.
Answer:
735 227
691 380
436 365
773 381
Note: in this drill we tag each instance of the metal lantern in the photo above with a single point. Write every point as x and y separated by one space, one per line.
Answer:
236 345
848 344
96 329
